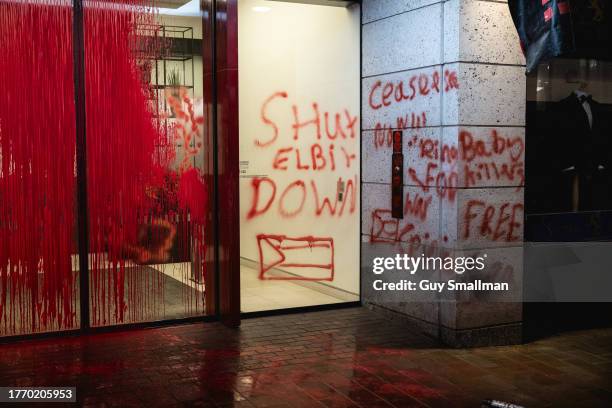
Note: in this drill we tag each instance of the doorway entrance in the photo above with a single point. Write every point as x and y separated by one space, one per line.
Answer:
299 110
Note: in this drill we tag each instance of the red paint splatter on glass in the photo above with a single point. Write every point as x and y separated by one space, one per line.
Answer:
145 210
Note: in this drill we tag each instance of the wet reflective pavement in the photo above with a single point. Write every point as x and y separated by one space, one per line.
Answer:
342 358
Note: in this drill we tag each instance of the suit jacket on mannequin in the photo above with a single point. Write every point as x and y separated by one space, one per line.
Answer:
581 150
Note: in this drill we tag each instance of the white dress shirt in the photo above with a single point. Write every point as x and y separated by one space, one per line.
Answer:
586 106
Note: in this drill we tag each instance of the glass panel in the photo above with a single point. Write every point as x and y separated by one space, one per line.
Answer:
569 194
38 231
147 196
299 154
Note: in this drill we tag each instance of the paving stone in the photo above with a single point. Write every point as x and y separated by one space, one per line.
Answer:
342 358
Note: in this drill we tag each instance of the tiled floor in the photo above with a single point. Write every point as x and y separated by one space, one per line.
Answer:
343 358
257 294
170 291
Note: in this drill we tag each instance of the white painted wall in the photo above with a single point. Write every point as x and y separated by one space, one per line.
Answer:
311 55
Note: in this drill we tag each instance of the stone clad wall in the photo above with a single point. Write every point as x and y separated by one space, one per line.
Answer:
451 75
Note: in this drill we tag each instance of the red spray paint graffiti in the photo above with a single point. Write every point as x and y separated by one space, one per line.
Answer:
344 124
469 162
408 235
265 192
316 158
385 95
438 170
496 222
383 134
304 258
303 139
188 127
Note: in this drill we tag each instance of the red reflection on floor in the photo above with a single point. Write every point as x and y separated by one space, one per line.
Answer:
343 358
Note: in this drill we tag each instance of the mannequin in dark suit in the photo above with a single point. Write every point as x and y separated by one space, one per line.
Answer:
583 162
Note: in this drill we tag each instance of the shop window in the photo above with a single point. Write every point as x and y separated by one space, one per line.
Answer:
569 151
39 277
299 67
145 195
147 200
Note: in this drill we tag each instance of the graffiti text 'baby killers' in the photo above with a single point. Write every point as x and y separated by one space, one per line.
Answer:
307 139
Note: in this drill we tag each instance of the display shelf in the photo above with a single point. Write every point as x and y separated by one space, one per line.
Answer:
163 50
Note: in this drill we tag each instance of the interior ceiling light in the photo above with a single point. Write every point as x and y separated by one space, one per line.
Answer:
189 9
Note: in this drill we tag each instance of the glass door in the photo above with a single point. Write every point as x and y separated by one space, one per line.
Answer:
299 67
39 277
147 194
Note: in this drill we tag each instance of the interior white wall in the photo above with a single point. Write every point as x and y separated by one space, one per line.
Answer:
311 53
